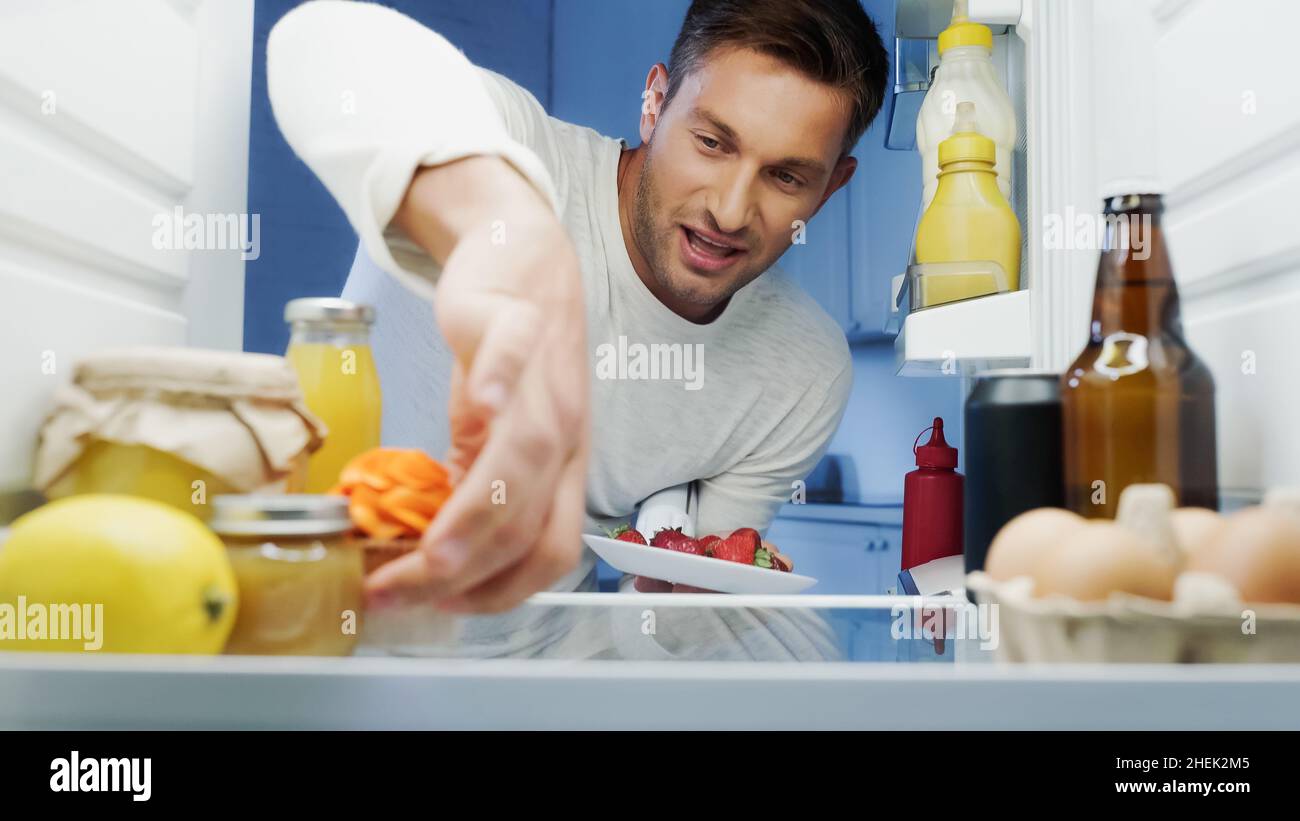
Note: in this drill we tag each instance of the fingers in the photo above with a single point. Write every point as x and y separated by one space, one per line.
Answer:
400 581
689 588
493 336
440 568
645 584
771 548
503 352
469 543
556 553
500 511
526 462
468 429
519 418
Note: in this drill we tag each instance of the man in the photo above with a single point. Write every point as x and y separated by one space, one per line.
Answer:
546 249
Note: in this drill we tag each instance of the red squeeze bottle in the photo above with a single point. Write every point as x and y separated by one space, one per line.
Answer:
932 502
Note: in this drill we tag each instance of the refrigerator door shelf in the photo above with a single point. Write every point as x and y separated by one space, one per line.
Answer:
963 338
926 18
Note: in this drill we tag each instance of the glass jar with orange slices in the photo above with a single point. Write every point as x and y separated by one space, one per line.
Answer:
393 495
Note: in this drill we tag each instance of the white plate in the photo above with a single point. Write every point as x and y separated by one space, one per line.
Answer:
699 571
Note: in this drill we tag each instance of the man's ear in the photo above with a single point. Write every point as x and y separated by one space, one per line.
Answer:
652 99
840 176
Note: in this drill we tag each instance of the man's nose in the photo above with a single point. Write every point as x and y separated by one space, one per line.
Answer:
733 206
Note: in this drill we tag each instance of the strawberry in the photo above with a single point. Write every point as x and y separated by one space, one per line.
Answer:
625 533
674 539
687 545
664 535
741 546
707 543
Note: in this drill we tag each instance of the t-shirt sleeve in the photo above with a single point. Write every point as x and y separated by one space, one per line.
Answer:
365 96
749 494
527 123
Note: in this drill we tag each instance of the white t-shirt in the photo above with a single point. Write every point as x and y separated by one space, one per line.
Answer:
744 406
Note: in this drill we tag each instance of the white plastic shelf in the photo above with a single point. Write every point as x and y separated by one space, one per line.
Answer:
962 338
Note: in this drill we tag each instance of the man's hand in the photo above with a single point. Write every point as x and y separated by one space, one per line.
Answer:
510 305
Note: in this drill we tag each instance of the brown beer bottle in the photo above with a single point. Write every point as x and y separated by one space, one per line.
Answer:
1137 403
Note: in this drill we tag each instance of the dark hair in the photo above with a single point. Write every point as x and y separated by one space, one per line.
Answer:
831 41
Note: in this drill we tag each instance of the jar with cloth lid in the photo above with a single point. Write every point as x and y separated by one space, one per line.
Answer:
179 425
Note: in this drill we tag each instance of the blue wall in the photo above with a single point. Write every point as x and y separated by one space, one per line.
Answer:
307 244
603 51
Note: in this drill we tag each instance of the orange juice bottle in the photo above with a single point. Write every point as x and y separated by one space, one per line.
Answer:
329 347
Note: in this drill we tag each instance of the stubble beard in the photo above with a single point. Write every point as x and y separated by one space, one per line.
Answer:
656 244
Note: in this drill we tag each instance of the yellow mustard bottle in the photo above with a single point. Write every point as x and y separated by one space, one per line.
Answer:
329 347
969 220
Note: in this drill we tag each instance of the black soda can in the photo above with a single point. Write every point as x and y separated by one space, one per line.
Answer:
1013 446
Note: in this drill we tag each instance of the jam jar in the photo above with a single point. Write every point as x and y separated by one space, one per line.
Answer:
299 575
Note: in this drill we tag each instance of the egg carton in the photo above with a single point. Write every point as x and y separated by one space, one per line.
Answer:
1205 623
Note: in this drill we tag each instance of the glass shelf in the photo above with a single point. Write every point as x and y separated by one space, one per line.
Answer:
706 627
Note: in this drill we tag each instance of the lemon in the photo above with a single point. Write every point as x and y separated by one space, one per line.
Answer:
117 574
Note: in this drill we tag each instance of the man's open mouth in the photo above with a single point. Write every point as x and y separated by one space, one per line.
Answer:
703 252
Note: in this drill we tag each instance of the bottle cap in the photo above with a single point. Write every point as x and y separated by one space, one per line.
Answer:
327 309
293 514
1121 186
966 143
962 32
936 453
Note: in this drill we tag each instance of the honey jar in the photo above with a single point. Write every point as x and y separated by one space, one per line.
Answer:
299 576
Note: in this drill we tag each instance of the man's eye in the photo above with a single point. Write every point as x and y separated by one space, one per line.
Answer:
786 178
708 142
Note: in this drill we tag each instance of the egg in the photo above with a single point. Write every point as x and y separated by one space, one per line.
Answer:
1145 510
1022 541
1258 551
1194 527
1101 558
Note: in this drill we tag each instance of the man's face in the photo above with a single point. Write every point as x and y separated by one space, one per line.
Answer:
747 146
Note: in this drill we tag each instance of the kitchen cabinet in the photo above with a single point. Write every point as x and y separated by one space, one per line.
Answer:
849 550
819 262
